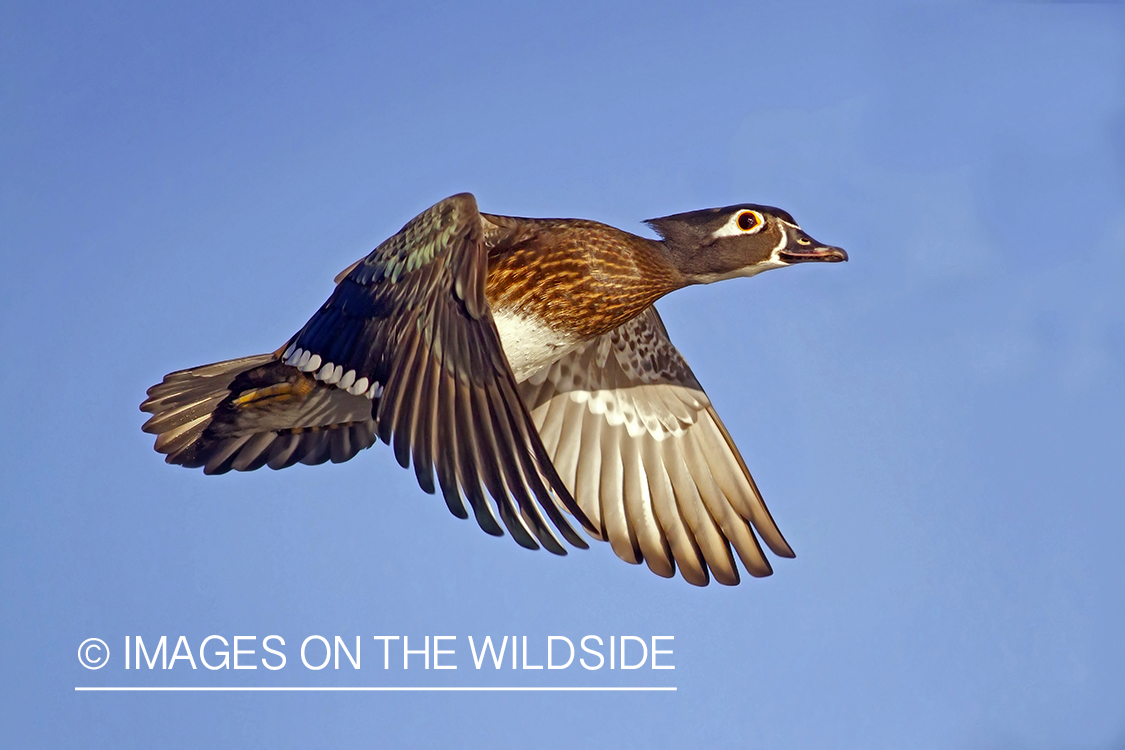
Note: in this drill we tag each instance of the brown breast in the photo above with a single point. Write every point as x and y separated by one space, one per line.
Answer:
574 275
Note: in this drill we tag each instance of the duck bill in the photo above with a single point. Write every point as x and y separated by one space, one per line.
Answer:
813 253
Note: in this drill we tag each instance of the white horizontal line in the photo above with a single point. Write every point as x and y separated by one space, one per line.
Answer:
374 689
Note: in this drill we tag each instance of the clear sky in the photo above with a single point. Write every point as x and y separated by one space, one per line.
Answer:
936 425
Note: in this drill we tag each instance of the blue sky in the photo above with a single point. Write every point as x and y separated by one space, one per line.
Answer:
936 425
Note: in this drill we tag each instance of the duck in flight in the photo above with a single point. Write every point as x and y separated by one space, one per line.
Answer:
521 359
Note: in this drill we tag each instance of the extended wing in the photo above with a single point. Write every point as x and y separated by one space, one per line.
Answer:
635 438
405 349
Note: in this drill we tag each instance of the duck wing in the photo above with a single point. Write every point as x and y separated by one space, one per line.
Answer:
405 350
637 441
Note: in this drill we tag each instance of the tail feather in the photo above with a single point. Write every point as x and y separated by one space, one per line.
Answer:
251 412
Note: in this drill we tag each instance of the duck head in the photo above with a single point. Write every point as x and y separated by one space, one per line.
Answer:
724 243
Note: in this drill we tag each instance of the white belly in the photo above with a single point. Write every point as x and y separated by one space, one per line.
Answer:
529 345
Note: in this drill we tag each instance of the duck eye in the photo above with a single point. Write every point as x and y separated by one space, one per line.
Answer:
748 220
803 241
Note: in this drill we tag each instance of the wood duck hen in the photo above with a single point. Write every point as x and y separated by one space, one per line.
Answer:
521 359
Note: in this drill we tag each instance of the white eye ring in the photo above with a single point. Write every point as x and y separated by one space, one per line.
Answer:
734 227
750 221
